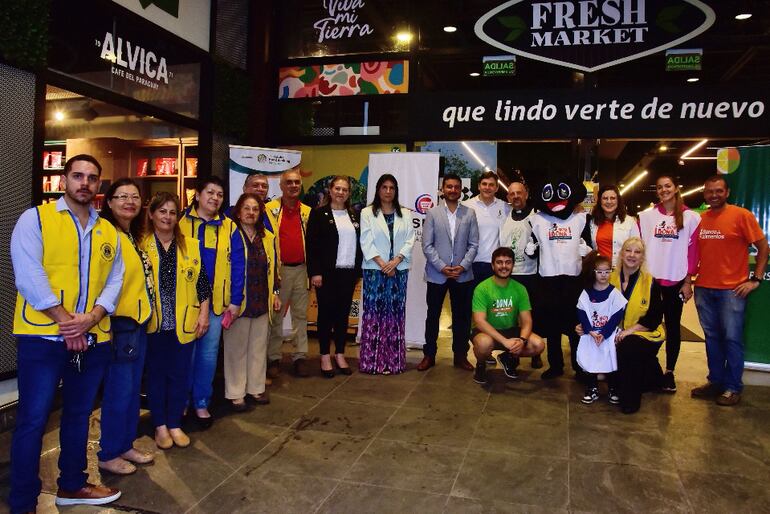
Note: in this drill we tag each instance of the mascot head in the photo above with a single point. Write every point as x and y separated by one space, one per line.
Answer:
558 195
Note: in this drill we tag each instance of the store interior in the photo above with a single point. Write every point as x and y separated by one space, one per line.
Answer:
161 156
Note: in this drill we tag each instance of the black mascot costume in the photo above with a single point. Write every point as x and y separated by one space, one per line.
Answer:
557 231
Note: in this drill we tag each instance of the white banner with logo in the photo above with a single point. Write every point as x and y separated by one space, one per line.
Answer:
245 160
417 176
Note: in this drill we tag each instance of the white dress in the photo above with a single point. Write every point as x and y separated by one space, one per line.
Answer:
601 358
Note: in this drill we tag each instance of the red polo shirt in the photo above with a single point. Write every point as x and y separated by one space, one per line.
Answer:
290 235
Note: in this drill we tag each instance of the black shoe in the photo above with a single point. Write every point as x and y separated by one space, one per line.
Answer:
591 395
203 423
327 373
552 373
509 364
668 384
480 375
629 409
537 362
613 397
239 407
345 371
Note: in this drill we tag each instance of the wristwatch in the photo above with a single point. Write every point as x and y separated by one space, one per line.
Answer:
756 279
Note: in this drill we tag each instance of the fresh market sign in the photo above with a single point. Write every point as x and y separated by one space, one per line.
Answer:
590 35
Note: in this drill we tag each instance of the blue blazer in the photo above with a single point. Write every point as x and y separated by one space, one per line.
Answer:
437 243
375 237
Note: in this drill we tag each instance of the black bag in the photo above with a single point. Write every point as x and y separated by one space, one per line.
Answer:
125 338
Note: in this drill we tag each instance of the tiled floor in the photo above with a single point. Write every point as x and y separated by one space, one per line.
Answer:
437 442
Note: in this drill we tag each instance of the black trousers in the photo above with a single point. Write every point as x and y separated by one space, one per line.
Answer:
460 295
592 379
557 303
334 299
638 369
672 315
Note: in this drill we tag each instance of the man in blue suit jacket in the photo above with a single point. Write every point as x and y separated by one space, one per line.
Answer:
450 239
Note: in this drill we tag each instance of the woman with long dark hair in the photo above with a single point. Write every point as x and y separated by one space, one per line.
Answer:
334 267
246 339
180 316
387 238
122 381
610 224
222 251
670 231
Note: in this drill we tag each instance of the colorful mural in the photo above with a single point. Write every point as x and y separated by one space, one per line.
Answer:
361 78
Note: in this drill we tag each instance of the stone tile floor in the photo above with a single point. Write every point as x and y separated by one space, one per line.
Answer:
437 442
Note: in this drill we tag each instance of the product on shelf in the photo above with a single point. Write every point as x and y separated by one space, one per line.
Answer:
165 166
191 166
141 167
52 159
57 184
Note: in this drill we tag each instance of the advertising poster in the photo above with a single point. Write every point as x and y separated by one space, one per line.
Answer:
417 175
245 160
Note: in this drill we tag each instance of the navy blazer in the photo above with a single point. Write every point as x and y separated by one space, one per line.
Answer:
437 243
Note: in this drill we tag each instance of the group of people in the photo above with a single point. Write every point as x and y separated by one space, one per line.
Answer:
165 287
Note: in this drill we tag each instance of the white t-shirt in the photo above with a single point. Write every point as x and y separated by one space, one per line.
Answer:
346 249
490 219
666 247
559 242
515 235
599 358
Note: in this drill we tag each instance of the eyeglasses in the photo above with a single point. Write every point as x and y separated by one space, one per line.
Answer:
124 197
602 271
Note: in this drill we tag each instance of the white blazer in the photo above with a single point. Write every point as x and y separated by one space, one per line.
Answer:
375 237
620 232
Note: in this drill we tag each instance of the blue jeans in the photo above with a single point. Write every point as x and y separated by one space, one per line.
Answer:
721 316
120 400
41 365
204 362
168 373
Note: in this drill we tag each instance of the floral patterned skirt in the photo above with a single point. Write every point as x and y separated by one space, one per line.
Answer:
383 347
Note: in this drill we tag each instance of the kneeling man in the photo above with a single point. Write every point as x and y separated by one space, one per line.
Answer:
502 319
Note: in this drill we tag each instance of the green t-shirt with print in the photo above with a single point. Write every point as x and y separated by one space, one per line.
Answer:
502 305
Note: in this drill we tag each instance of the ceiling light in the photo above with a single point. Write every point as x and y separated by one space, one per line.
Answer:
450 28
693 79
662 148
58 115
500 182
693 190
693 148
743 16
404 37
633 182
475 74
475 156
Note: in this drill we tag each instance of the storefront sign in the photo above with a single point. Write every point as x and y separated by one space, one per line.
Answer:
342 21
682 112
188 19
358 78
100 45
589 35
499 65
684 60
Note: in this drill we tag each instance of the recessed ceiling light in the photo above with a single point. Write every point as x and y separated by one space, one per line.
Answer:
743 16
663 148
475 74
693 79
450 28
404 37
58 115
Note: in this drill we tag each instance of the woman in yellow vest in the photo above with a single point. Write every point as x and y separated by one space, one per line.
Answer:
246 339
642 333
223 254
180 315
122 381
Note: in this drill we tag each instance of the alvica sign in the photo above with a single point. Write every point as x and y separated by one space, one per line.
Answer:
589 35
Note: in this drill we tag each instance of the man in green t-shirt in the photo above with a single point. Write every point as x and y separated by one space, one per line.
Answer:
502 319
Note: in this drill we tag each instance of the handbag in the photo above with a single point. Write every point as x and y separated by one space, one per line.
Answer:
125 338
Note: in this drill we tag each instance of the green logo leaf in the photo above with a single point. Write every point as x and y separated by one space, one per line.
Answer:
515 23
169 6
667 17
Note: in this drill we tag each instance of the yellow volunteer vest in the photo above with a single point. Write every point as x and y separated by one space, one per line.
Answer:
188 267
219 238
134 301
638 304
274 210
61 261
268 242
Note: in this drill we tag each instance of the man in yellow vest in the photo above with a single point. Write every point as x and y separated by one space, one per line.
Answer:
288 217
69 272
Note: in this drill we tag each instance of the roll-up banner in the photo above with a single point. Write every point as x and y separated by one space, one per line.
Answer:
417 176
245 160
747 172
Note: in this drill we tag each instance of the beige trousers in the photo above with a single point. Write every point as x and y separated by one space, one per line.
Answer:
294 293
246 357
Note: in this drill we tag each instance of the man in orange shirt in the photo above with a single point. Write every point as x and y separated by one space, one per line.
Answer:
723 283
